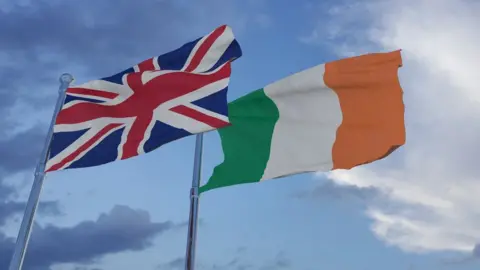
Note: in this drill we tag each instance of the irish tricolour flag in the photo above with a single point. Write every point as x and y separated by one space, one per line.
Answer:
336 115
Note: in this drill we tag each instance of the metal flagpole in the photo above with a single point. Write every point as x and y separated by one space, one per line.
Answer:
193 217
27 223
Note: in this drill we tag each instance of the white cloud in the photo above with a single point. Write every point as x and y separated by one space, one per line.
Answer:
432 184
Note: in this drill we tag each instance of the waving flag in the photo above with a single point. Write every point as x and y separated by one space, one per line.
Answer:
160 100
336 115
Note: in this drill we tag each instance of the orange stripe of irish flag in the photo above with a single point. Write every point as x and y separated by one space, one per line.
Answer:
371 101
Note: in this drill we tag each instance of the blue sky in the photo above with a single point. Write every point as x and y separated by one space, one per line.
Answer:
413 210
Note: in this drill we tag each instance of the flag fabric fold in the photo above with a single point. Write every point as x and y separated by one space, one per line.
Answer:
157 101
336 115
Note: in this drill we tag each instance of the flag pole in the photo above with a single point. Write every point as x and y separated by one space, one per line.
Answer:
28 218
193 217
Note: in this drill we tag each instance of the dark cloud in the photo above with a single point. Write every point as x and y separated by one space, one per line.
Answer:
97 34
8 209
16 156
122 229
102 37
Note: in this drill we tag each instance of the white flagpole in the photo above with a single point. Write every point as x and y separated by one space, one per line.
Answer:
193 217
28 218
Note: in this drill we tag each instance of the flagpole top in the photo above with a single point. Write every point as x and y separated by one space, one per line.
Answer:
66 78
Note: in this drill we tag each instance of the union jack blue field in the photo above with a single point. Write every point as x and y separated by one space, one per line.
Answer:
160 100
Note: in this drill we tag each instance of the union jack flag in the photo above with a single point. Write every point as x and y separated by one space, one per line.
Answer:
160 100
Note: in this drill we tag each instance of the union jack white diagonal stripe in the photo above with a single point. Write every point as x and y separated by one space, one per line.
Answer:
150 104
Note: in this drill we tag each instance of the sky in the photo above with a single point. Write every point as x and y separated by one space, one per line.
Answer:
415 210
